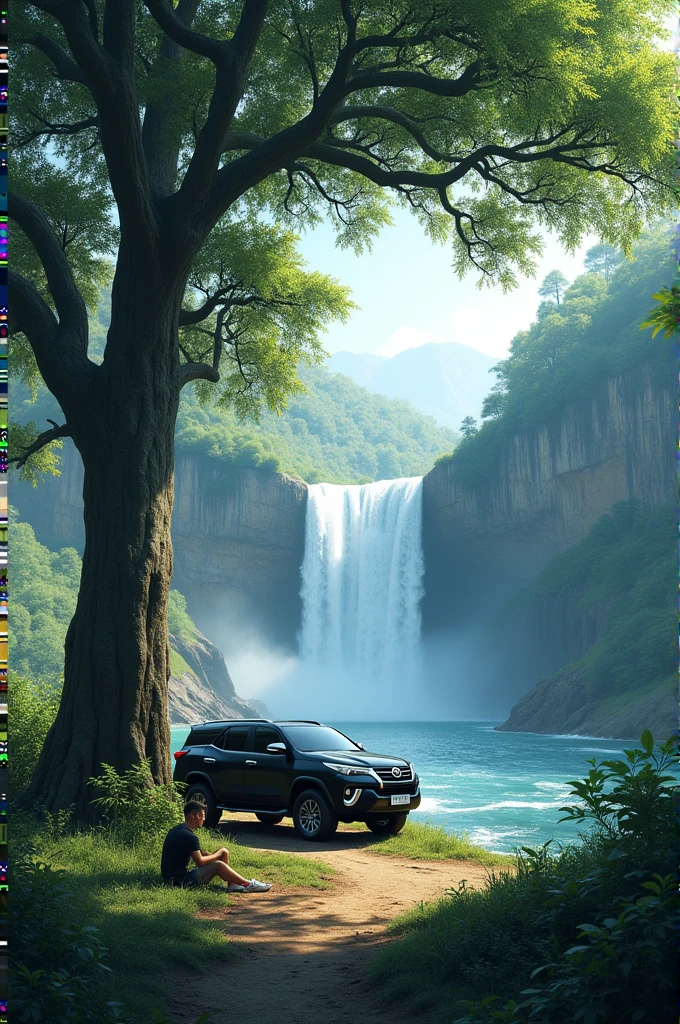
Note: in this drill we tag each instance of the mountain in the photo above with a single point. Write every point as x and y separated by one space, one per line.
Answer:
447 381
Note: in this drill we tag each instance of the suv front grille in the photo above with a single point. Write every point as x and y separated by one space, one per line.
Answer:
388 779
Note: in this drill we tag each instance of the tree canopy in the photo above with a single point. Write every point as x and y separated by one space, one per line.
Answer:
482 118
192 140
553 285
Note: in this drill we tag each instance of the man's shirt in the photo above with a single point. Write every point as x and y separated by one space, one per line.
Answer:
179 844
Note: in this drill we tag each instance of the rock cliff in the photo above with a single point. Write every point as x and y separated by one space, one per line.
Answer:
562 704
238 538
200 687
551 484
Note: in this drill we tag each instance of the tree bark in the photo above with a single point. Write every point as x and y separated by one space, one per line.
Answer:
114 707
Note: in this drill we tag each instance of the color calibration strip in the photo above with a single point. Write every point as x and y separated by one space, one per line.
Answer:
4 511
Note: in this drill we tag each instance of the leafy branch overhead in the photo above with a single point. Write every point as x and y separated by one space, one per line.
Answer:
216 129
666 315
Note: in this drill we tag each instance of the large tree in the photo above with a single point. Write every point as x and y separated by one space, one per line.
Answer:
212 127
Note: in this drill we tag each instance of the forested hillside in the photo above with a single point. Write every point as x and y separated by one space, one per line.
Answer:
593 332
336 431
446 380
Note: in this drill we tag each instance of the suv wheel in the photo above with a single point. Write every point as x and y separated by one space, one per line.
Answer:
312 816
389 825
205 796
269 819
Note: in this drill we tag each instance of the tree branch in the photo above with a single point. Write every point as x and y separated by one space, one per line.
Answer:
30 313
188 317
230 63
65 67
176 27
160 142
197 371
60 352
471 79
68 301
108 75
49 129
40 442
352 113
118 35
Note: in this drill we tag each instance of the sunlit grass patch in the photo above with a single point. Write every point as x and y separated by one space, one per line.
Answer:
420 841
148 928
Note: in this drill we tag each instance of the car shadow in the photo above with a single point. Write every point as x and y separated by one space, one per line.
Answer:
283 838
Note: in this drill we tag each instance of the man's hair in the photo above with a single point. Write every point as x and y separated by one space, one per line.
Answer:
192 807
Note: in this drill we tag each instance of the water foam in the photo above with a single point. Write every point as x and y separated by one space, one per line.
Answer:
362 581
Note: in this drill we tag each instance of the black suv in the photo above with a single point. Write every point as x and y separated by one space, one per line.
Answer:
301 769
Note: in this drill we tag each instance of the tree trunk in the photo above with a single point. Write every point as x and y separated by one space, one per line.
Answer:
114 706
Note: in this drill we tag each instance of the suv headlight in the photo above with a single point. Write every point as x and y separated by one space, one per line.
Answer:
347 769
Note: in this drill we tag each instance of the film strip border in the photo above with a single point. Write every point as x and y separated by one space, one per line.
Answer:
4 510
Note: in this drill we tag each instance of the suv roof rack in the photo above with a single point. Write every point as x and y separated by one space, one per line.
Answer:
297 721
228 721
247 721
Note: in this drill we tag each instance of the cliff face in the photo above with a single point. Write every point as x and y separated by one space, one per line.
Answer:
553 483
238 538
200 688
484 544
562 704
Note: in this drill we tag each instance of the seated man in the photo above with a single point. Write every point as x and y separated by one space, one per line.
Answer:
181 844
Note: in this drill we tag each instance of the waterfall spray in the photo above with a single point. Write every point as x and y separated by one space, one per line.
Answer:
362 582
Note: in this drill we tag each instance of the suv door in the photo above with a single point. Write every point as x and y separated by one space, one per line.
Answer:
224 761
267 781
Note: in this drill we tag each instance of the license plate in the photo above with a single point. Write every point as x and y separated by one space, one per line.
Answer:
400 798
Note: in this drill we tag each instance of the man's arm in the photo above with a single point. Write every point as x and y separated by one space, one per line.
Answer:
200 859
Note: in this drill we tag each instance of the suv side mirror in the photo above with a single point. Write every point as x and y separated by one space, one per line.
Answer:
276 748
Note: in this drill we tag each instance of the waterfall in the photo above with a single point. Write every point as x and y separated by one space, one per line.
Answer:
362 581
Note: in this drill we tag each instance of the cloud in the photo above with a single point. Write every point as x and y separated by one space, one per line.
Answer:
482 326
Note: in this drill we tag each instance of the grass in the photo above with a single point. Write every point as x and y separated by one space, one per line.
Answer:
148 928
468 943
178 666
420 841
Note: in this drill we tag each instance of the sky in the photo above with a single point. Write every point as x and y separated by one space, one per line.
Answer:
409 295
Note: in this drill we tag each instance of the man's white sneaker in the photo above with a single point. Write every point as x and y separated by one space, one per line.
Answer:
235 887
256 886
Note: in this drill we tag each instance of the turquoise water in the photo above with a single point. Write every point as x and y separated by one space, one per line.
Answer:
504 789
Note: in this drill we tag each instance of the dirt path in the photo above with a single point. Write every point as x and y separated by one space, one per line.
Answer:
302 953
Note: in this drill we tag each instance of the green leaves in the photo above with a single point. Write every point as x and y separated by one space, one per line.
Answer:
133 808
666 316
269 318
647 742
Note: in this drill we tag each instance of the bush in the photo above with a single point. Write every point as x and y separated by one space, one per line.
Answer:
32 709
587 927
620 966
134 809
56 961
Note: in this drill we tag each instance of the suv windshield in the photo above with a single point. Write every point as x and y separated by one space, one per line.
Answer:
318 737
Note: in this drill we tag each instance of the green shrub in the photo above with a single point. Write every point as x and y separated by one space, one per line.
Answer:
569 936
56 961
618 965
180 623
134 810
32 709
